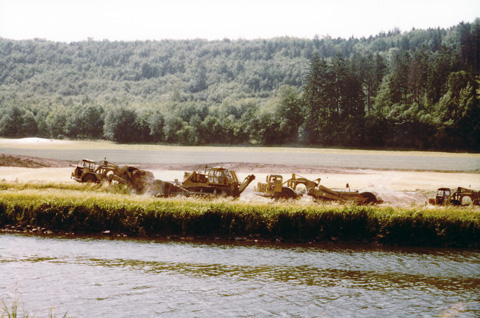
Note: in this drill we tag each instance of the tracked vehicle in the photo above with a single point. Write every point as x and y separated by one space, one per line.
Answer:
212 181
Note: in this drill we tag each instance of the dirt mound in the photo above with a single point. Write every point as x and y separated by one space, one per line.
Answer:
10 160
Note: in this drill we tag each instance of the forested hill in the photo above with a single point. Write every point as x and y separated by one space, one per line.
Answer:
411 90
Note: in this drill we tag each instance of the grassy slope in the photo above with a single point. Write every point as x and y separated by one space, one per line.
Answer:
67 208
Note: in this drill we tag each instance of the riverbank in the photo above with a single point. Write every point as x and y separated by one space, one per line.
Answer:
95 210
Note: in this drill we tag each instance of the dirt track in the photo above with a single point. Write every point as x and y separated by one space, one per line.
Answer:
8 160
397 188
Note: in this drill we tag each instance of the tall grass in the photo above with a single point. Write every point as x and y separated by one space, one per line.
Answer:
94 210
12 310
81 187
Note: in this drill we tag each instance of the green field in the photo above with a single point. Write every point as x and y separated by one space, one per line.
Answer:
83 209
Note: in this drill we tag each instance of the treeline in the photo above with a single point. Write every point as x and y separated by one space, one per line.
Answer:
412 90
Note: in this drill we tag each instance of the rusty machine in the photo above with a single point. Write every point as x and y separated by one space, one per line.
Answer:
274 187
212 181
458 196
89 171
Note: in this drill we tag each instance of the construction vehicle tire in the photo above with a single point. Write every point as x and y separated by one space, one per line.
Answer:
455 202
369 197
286 194
89 178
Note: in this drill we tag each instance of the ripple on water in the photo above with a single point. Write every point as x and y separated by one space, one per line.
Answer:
142 278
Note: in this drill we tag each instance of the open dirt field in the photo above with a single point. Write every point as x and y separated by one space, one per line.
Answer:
397 188
164 156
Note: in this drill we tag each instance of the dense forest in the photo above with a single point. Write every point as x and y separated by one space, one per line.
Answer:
396 90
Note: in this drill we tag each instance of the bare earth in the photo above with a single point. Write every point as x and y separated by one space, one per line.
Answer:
7 160
397 188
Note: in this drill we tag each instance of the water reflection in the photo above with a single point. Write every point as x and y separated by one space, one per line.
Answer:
103 277
299 275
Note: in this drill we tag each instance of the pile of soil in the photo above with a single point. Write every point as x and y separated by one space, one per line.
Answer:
10 160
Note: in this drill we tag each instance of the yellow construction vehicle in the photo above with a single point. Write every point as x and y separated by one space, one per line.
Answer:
322 193
89 171
274 187
459 196
212 181
86 171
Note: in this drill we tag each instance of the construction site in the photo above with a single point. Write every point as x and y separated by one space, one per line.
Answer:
238 201
256 177
223 182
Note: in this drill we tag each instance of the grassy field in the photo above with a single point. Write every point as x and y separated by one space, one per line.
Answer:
94 209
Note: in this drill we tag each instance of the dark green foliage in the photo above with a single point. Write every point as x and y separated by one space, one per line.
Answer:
11 122
84 121
121 125
419 88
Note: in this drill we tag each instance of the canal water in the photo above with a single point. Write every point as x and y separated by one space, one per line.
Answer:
104 277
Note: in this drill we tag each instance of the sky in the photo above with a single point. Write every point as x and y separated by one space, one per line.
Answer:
130 20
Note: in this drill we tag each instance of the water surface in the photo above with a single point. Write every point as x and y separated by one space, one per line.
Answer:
101 277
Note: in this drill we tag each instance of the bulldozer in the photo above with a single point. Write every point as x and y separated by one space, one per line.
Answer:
212 181
275 188
458 197
89 171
